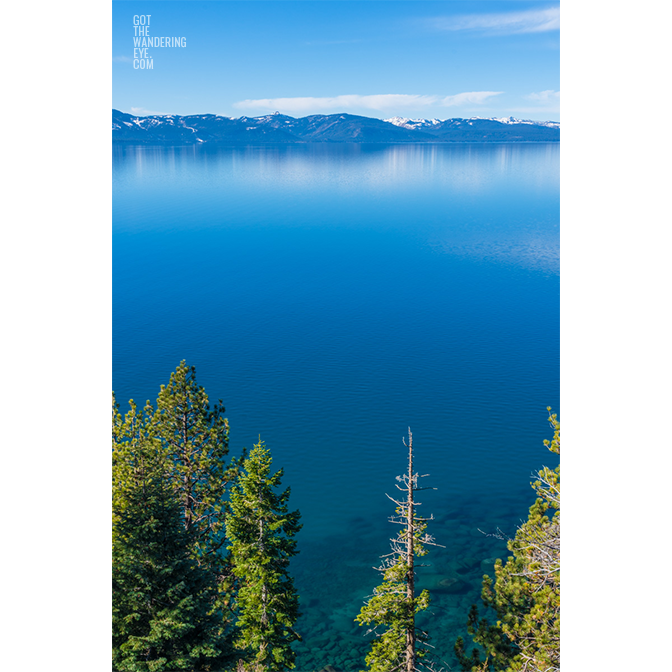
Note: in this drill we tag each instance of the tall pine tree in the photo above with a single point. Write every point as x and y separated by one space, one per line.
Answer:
162 602
195 437
526 591
391 610
261 530
130 436
192 440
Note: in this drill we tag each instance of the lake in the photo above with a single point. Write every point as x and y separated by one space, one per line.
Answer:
334 296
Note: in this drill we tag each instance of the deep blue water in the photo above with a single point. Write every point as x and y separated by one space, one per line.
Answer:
333 296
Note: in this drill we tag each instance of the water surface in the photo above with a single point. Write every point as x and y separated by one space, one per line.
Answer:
333 296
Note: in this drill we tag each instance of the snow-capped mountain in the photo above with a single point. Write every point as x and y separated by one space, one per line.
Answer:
513 120
174 129
433 123
412 123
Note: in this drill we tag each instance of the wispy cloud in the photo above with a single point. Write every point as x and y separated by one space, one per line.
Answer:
142 112
122 59
388 102
529 21
548 96
375 102
469 98
536 113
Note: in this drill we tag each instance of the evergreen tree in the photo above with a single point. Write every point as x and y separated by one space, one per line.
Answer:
192 440
130 436
399 644
162 602
261 532
526 591
196 440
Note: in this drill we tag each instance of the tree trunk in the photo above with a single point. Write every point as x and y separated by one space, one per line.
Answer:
410 579
188 505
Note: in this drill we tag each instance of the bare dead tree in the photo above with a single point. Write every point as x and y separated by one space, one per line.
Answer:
394 604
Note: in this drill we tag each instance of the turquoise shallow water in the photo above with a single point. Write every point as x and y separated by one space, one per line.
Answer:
333 296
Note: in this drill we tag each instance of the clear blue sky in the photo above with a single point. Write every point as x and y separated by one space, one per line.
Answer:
376 58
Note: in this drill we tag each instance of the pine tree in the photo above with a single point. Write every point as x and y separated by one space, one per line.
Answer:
192 440
526 591
130 435
162 602
392 608
196 440
261 531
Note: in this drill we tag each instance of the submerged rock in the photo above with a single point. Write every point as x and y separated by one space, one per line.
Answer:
466 565
488 565
443 583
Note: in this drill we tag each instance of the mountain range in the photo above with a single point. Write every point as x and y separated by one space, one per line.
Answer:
196 129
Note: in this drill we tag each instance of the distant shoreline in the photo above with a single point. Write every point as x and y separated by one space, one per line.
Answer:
279 129
164 145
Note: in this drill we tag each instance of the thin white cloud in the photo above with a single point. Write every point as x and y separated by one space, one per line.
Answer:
529 21
548 96
536 113
122 59
382 102
142 112
376 102
469 98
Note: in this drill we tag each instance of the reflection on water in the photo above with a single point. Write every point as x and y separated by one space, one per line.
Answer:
333 295
349 166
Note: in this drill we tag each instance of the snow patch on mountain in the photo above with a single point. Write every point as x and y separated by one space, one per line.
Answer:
412 124
513 120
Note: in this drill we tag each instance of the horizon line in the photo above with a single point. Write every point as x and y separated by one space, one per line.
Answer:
282 114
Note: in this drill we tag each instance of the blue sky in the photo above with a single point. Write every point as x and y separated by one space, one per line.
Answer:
376 58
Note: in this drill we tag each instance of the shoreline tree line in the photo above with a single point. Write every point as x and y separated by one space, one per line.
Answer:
202 542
